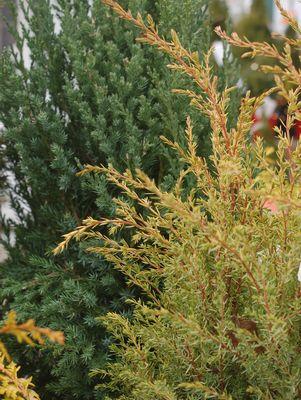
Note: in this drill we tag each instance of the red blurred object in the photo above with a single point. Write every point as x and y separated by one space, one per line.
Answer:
270 205
297 130
273 121
276 119
257 125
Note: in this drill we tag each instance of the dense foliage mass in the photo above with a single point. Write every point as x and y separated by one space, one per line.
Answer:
219 267
91 94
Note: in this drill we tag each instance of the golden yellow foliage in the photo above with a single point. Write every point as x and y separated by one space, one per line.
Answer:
12 387
219 265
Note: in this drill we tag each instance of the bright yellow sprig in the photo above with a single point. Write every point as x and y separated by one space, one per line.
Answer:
28 332
13 387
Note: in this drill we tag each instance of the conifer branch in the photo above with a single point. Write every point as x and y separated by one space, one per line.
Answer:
210 101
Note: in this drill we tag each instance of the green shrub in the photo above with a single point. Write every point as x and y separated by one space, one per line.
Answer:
219 267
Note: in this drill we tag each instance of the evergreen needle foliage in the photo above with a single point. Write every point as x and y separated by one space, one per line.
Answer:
91 94
218 267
